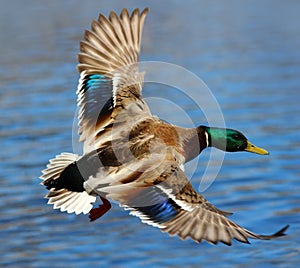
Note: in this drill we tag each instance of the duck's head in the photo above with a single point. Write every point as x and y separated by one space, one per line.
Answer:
230 140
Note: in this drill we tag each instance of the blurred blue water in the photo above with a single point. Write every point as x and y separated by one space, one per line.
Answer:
246 52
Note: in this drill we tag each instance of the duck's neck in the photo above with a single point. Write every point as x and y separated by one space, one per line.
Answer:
197 141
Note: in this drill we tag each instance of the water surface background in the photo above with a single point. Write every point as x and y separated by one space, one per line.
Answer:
247 52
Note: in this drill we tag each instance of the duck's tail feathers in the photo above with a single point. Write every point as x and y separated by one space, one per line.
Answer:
65 184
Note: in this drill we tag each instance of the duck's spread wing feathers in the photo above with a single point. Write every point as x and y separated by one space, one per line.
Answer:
200 220
112 42
164 198
109 76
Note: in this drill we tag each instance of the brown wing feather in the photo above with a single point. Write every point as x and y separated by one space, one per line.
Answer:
109 77
118 37
200 220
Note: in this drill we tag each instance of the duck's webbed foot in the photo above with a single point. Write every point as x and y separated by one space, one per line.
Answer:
96 213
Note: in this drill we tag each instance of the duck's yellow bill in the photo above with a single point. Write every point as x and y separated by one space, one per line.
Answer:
254 149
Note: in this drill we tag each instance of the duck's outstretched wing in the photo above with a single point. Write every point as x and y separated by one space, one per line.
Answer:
109 78
200 220
164 198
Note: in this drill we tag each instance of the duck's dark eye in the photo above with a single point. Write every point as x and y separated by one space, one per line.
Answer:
236 136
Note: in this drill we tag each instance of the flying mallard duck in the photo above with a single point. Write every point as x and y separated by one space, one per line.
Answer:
131 156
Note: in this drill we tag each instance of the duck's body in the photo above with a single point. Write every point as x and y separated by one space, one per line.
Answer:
131 156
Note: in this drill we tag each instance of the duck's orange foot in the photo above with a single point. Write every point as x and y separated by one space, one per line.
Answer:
96 213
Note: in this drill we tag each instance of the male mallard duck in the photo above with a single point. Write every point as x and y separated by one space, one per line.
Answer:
131 156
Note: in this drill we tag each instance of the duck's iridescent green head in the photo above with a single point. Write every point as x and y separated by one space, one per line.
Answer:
230 140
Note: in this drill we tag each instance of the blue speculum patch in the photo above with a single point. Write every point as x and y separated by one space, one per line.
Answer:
160 212
160 209
95 80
